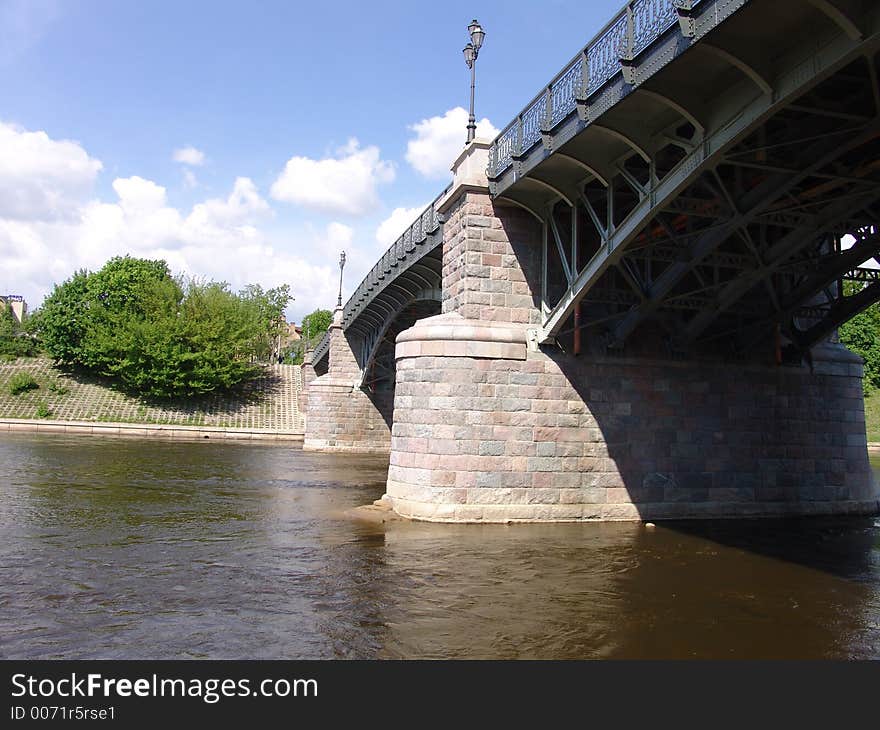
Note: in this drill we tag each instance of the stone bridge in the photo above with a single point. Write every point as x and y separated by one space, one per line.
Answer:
625 306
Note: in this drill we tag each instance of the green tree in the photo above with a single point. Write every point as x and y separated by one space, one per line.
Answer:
138 342
268 309
314 326
861 334
61 320
14 338
8 323
126 297
156 335
220 330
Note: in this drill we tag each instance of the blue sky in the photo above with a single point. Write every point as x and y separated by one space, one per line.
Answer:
247 142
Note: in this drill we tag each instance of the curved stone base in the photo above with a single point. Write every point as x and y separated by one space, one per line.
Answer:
486 430
510 512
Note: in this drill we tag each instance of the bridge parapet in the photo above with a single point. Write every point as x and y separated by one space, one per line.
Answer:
420 238
612 51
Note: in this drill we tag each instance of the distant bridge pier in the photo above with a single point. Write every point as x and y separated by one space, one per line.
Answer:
340 414
490 426
307 375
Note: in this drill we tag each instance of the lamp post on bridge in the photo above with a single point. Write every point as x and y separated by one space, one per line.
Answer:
337 313
471 51
341 267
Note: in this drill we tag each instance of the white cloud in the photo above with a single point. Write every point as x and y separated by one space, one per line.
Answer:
439 140
189 178
139 195
339 235
226 238
400 219
41 178
242 204
345 184
189 156
142 223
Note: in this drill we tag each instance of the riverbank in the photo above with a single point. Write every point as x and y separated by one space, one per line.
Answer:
266 407
175 433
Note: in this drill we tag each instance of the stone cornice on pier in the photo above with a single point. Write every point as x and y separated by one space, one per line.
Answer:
451 335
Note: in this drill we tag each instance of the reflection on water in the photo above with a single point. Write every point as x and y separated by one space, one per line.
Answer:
117 548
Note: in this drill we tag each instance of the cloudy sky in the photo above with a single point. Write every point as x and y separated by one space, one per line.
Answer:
248 142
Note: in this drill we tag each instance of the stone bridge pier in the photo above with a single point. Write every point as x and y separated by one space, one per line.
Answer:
340 414
489 426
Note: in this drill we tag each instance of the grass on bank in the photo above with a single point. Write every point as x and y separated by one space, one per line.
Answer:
21 382
269 402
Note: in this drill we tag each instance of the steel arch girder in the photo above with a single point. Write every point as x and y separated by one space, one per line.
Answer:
840 311
790 86
840 264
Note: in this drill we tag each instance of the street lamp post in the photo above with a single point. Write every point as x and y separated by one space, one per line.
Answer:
341 267
471 51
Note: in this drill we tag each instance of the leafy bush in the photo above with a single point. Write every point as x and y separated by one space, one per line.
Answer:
156 336
43 410
14 341
21 383
62 320
861 334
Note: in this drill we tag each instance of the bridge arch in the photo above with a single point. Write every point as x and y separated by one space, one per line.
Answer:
378 347
674 226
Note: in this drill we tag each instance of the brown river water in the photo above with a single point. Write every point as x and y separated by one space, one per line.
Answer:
130 549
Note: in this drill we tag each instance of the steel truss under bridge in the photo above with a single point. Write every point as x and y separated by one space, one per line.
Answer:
708 172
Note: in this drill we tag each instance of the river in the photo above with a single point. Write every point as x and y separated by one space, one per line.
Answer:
132 549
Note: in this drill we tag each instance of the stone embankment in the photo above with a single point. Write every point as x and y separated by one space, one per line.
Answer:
267 408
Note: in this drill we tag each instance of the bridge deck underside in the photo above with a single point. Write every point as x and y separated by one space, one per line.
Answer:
380 373
713 204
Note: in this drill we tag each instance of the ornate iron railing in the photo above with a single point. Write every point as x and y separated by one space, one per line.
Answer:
414 237
630 32
650 18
